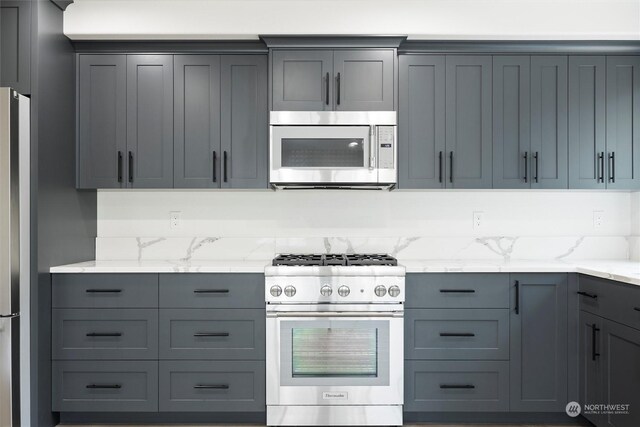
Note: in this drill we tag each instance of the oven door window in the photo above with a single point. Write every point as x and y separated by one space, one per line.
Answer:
334 352
323 153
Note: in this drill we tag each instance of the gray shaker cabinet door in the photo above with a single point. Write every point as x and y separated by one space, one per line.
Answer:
150 121
102 121
549 140
623 122
197 121
468 128
421 121
511 120
586 121
302 80
590 363
15 45
538 343
364 80
244 121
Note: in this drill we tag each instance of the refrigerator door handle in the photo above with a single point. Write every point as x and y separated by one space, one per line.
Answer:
9 316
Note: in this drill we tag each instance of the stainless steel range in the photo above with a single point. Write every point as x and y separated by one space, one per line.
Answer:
335 340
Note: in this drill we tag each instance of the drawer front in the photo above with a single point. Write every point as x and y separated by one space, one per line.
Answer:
591 295
105 334
105 290
610 299
212 334
105 387
197 290
194 386
477 386
457 290
463 334
629 306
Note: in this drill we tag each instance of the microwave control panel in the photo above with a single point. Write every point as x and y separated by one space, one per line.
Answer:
386 149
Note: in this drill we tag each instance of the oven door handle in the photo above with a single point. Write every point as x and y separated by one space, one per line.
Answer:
335 314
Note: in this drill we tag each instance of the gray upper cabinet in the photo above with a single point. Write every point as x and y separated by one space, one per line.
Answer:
468 121
549 140
150 121
197 121
15 45
511 121
587 122
302 80
623 122
421 118
102 120
244 121
327 80
364 80
538 379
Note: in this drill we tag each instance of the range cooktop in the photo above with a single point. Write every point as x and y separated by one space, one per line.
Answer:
315 260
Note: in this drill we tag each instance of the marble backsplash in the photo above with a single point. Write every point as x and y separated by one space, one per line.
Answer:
503 248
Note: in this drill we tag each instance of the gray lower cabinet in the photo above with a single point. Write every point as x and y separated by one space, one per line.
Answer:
590 363
108 386
456 386
199 290
539 331
218 386
106 290
468 121
15 45
244 121
457 290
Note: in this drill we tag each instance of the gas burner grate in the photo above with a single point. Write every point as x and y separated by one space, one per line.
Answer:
371 259
310 260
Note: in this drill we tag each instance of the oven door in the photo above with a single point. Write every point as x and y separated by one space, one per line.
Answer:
335 358
322 155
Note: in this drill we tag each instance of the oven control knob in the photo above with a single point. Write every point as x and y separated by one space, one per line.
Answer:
276 290
394 291
326 291
343 291
289 291
380 291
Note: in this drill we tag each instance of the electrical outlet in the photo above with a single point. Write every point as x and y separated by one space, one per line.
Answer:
174 220
478 219
598 219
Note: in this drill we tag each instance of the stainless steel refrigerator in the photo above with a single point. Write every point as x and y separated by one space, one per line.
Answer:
14 258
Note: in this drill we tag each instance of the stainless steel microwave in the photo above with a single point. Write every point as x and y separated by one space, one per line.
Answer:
333 149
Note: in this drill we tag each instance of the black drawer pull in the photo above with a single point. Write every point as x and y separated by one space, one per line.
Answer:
104 386
457 291
585 294
457 386
211 291
104 334
212 386
103 291
455 334
211 334
636 308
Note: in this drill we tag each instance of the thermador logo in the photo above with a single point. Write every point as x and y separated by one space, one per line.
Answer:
573 409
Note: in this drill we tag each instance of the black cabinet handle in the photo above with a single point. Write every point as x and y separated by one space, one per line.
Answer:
457 291
594 331
338 88
535 157
451 166
612 167
224 155
211 291
212 386
600 167
215 160
585 294
440 167
104 386
119 166
636 308
130 166
456 334
326 95
526 167
517 297
103 291
211 334
457 386
104 334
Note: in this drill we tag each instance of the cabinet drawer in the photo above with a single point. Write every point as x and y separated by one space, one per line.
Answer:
610 299
212 386
105 290
457 290
105 386
464 334
197 290
105 334
212 334
591 295
478 386
628 311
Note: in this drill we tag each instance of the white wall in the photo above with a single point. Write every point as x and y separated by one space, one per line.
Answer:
419 19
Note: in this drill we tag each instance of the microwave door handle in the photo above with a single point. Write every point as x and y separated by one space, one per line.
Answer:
372 147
